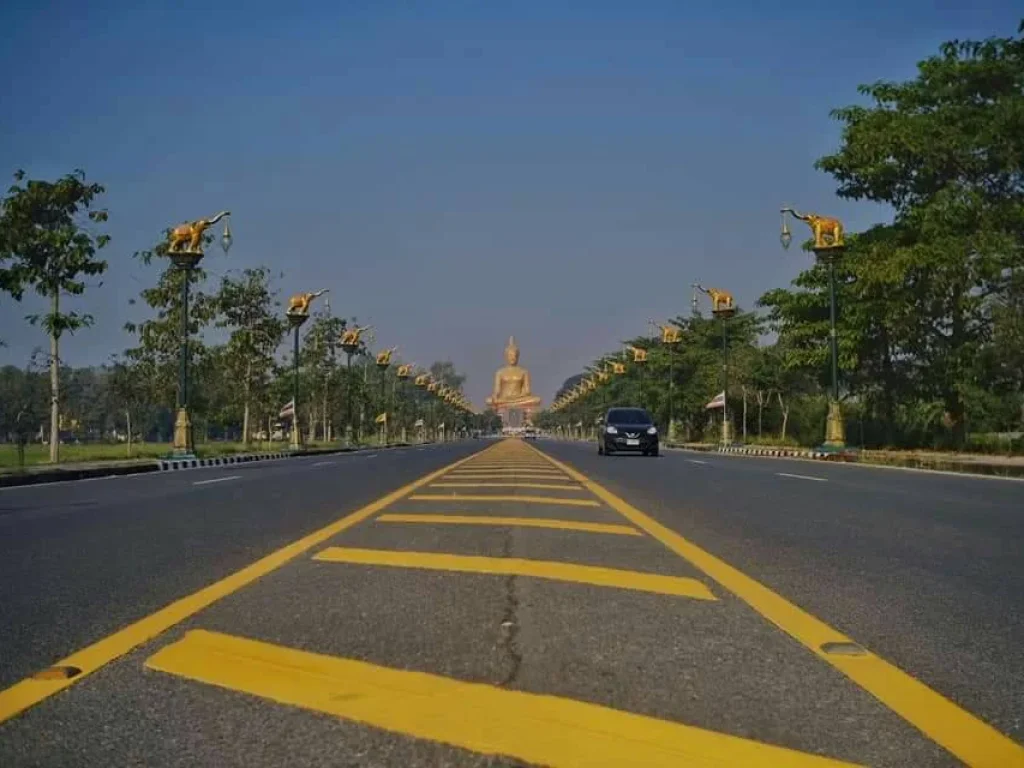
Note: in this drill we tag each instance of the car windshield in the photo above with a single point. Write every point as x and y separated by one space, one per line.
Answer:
628 416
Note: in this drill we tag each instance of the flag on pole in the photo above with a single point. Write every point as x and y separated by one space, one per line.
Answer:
381 419
441 425
718 401
418 423
288 411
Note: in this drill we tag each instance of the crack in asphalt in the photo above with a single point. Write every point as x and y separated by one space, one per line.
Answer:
510 621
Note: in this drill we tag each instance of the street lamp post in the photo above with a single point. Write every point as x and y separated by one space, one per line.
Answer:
383 363
297 314
671 337
185 250
350 341
723 307
828 248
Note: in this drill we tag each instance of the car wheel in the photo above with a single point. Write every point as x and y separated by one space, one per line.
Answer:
653 453
600 450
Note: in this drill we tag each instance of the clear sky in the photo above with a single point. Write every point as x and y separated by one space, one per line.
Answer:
456 172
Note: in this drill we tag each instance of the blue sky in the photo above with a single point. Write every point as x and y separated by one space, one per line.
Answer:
456 172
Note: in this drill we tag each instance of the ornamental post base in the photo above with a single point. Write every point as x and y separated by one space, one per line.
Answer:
183 446
835 427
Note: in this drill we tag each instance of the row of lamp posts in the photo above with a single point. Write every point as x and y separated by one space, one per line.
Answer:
828 246
185 248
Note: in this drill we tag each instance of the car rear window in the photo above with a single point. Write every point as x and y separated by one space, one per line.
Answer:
628 416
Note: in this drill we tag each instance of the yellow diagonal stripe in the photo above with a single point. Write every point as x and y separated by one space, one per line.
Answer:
449 498
550 486
527 522
544 730
492 475
680 586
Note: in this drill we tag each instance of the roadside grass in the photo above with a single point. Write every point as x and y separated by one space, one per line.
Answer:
37 454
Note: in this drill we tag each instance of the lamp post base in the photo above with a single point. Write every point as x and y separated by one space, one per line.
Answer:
296 438
835 428
183 446
726 432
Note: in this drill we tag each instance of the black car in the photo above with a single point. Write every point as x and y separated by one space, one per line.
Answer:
627 429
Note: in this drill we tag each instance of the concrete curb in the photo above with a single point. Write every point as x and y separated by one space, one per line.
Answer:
853 457
61 475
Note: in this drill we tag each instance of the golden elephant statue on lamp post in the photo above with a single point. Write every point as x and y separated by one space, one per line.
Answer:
188 237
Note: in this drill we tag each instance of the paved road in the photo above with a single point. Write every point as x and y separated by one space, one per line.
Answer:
489 604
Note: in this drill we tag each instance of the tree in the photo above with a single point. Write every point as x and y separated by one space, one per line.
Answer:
946 151
129 385
46 244
248 307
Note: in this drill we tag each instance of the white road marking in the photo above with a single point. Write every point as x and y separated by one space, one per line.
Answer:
372 456
696 461
803 477
324 463
216 480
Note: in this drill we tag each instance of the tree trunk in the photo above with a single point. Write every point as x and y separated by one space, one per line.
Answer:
744 389
128 422
54 380
760 411
245 406
785 416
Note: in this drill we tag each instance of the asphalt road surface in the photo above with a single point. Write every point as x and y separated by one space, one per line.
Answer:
505 603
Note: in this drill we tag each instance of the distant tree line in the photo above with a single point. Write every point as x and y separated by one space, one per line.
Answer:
931 304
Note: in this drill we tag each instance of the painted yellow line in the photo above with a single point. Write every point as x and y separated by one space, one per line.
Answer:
537 729
492 475
526 522
29 691
971 739
680 586
450 497
508 467
550 486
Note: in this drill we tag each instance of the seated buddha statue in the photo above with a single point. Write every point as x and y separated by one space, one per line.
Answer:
512 384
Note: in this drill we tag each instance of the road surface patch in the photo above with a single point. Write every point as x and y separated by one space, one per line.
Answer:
29 692
528 522
541 729
679 586
969 738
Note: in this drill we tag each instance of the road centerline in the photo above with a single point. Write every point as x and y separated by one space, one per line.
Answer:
802 477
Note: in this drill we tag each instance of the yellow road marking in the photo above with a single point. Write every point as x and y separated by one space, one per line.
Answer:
29 691
491 475
553 486
538 729
528 522
680 586
971 739
449 498
542 470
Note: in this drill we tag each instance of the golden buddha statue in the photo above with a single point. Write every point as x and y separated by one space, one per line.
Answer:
512 386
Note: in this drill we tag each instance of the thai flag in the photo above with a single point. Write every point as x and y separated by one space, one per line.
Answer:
718 401
288 411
